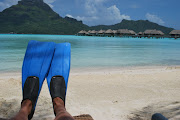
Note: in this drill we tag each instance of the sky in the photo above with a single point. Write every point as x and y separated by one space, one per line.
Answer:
109 12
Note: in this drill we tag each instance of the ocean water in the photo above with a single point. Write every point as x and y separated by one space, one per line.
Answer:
95 51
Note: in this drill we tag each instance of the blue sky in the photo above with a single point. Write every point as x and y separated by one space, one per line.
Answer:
108 12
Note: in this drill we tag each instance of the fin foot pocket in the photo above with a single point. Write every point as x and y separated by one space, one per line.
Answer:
58 87
30 91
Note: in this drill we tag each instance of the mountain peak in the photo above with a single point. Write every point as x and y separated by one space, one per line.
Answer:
38 3
36 17
31 2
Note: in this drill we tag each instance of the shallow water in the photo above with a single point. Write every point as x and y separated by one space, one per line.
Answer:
95 51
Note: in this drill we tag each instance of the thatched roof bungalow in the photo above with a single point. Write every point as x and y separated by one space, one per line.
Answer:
101 32
122 32
175 33
153 33
109 32
132 32
140 33
147 32
89 31
114 31
160 32
82 33
92 33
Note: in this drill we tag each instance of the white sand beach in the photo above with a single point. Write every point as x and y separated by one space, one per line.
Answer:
105 94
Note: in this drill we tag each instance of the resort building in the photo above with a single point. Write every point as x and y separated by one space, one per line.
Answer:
132 32
101 33
82 33
175 33
109 33
92 33
153 33
115 32
140 34
123 32
128 33
161 33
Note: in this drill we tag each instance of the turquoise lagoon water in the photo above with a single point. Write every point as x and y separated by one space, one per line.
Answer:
95 51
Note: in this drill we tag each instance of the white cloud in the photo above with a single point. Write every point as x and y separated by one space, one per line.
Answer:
114 14
70 16
97 13
154 18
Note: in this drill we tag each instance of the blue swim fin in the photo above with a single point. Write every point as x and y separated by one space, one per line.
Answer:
35 67
58 75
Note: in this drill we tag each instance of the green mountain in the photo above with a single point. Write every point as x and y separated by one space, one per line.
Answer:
137 26
36 17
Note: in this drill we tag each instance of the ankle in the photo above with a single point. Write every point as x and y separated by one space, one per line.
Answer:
58 105
58 102
26 106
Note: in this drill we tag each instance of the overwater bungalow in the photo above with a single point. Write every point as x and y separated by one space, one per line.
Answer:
161 33
123 32
175 34
101 33
109 33
82 33
92 33
132 33
147 33
153 33
140 34
127 33
114 31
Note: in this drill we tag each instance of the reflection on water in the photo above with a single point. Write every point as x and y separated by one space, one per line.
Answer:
95 51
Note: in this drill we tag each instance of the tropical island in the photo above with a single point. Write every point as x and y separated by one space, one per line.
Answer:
36 17
114 74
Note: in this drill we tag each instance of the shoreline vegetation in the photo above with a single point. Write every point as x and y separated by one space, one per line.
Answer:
128 94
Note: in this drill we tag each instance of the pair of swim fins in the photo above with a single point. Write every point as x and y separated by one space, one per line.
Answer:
45 60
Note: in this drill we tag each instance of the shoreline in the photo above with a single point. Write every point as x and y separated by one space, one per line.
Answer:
85 70
152 37
111 93
121 69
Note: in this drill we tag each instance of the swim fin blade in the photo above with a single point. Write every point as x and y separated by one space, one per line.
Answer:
35 67
58 75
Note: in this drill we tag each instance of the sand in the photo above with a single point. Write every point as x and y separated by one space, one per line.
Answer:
105 94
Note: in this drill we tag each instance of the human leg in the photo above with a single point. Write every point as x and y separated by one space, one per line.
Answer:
57 80
35 67
25 110
60 110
